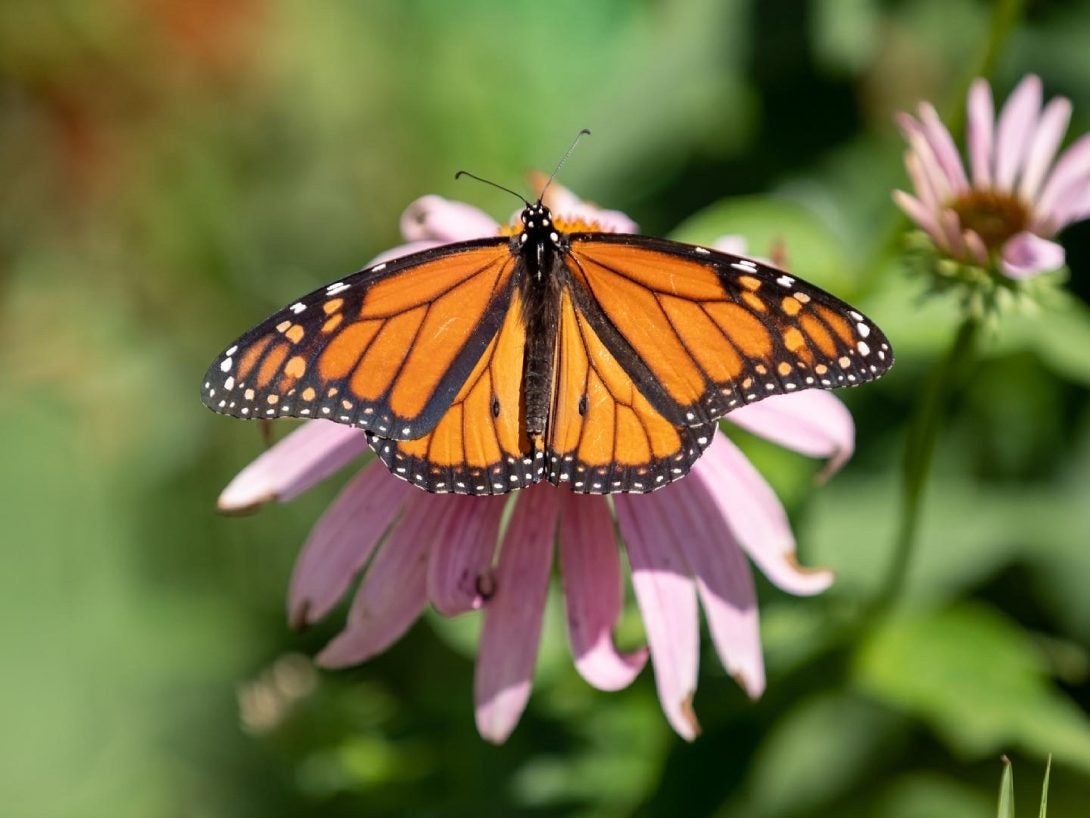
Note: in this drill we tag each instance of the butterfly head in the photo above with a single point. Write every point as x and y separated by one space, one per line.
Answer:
537 225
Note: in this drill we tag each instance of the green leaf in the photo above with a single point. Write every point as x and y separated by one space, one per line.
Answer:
827 746
976 679
925 794
1006 791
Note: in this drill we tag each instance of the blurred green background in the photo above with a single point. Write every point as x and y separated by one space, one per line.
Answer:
171 172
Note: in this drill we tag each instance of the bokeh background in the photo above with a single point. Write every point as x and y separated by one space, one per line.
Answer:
172 171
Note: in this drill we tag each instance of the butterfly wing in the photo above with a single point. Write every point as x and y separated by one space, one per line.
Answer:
604 435
386 349
479 445
702 332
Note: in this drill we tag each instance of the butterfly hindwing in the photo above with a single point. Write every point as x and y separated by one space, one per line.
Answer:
479 445
717 331
604 435
386 349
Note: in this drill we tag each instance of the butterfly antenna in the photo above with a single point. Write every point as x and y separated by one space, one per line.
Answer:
563 159
462 173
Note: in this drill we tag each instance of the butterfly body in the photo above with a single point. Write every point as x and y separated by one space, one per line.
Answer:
558 353
541 283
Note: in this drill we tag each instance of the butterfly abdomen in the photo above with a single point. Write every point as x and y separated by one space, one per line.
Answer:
541 305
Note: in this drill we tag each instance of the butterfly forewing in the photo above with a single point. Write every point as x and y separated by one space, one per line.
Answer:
718 331
386 349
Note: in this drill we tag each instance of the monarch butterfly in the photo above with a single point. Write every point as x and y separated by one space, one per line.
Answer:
557 353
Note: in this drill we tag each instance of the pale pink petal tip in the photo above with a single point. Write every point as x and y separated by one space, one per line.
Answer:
441 220
667 599
606 668
787 575
591 572
309 454
724 582
812 422
1026 255
512 618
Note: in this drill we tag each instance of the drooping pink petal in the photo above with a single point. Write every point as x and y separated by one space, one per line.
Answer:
591 571
1012 135
406 249
723 580
812 422
980 131
441 220
512 618
915 210
1026 255
461 562
343 539
312 452
1071 169
942 144
666 595
393 592
1042 150
757 518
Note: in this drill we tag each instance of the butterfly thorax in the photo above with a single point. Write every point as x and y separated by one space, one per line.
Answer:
538 246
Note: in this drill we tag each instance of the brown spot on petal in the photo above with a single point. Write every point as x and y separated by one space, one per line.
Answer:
689 714
300 616
792 560
486 585
742 682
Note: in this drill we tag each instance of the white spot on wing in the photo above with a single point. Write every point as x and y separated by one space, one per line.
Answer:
336 287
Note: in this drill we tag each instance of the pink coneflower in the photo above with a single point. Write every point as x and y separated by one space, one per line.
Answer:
1004 214
685 544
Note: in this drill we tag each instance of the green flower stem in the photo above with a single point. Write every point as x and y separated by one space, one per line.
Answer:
923 434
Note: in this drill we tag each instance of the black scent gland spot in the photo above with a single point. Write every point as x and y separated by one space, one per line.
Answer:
583 405
495 407
486 585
